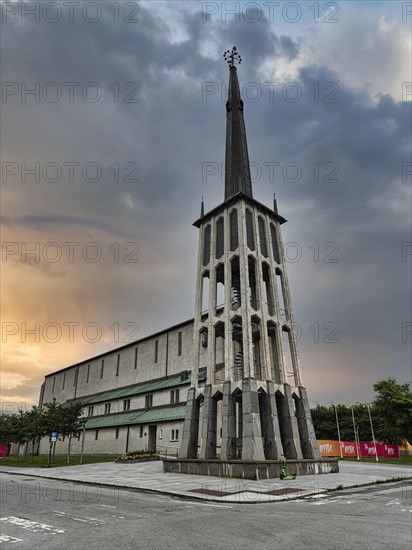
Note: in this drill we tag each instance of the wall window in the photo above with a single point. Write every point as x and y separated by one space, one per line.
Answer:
234 237
160 434
275 247
250 234
102 369
107 408
220 246
118 364
141 431
156 351
116 435
76 374
90 411
174 435
262 236
174 396
149 400
96 435
179 343
126 405
54 383
135 357
206 245
64 380
87 374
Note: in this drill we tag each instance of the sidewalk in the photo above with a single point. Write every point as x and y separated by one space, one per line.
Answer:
149 476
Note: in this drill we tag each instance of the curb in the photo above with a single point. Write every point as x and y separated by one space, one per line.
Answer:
183 496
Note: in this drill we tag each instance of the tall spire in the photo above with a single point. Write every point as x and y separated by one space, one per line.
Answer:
237 169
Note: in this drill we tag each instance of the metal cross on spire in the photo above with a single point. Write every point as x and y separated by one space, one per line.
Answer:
232 57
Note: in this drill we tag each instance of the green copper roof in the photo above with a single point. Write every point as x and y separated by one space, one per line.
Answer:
140 417
134 390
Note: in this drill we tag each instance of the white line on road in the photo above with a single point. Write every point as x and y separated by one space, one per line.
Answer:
106 506
33 526
214 505
7 538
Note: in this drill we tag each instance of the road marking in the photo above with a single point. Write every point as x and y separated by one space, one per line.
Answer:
107 506
33 526
93 521
214 505
7 538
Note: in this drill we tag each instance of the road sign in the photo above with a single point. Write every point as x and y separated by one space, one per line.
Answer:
53 436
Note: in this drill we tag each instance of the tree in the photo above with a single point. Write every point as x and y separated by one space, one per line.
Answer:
393 409
72 424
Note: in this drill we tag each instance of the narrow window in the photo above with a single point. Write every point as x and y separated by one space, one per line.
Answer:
88 374
262 237
141 431
107 408
156 351
116 435
174 396
54 383
160 434
234 235
135 357
275 247
250 235
64 380
149 400
96 435
118 364
76 374
126 405
90 411
179 343
219 238
102 369
206 245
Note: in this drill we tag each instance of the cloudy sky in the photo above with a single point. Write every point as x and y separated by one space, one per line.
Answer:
113 128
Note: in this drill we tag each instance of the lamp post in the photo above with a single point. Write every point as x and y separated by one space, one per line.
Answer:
373 435
337 426
356 432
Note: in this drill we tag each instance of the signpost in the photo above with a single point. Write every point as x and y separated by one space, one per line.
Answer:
53 439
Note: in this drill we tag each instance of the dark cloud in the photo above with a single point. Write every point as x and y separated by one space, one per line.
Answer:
360 140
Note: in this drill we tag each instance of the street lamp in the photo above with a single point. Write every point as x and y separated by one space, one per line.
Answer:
373 435
337 425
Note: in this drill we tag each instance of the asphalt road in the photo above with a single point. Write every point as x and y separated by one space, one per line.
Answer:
44 514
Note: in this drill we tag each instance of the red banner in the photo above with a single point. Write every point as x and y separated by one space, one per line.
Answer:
349 448
383 450
3 450
329 447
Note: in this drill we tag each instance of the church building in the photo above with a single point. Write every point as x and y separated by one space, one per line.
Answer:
226 384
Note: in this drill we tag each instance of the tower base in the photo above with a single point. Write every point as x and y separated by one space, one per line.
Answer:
245 469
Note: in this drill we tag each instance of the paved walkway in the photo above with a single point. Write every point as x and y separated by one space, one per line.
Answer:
149 476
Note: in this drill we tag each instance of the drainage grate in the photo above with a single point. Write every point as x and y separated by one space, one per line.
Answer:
212 492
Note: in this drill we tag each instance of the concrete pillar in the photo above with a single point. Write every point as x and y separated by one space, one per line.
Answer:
252 441
209 421
307 434
289 426
188 446
271 429
228 445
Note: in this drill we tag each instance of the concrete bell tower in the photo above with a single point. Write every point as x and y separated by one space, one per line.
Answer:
247 400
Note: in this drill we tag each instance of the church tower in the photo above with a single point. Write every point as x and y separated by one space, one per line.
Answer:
247 400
